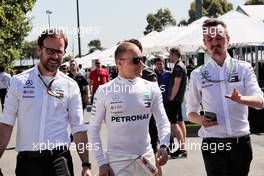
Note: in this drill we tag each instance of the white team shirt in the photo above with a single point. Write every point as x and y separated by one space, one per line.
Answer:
43 119
4 80
126 115
232 117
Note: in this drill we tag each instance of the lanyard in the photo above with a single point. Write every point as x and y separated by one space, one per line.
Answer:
49 90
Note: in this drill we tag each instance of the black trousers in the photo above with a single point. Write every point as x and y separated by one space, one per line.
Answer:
2 97
227 157
46 163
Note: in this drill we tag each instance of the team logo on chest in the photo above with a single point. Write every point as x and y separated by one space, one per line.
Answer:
147 100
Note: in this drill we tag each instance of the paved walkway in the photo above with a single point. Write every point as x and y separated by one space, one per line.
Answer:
193 165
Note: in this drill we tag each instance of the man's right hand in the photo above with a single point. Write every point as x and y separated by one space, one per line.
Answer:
208 122
106 170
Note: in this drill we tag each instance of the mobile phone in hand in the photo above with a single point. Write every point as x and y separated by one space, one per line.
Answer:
210 115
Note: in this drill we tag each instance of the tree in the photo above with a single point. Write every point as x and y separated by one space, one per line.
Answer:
29 49
183 23
254 2
94 45
159 20
67 58
210 8
14 27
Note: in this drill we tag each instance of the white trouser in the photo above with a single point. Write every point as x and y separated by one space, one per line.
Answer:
127 165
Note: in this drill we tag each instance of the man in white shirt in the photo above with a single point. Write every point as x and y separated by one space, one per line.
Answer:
44 101
125 104
4 83
225 87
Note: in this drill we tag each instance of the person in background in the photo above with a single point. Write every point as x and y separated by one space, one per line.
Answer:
81 81
163 78
82 71
178 82
113 73
4 84
64 69
190 68
98 76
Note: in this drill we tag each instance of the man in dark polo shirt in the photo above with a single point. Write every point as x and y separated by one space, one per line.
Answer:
81 81
177 88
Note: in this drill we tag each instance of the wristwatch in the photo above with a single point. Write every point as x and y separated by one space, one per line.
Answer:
166 148
87 164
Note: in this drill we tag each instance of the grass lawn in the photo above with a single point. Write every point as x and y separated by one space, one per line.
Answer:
192 129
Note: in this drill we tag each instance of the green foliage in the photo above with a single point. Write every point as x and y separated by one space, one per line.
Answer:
183 23
254 2
94 45
210 8
67 58
159 20
14 27
29 49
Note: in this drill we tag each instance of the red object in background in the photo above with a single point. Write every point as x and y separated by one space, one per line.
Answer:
98 77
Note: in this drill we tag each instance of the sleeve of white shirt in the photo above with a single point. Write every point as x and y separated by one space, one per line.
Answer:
11 103
251 84
98 113
160 116
194 97
75 110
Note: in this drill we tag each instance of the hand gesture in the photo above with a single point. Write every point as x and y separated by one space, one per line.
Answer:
235 96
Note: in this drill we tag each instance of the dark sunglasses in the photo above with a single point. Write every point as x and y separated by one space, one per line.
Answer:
97 63
137 60
52 51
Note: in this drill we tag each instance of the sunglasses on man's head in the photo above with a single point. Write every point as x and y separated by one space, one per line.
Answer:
52 51
137 60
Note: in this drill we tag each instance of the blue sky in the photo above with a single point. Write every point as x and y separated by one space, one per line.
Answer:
110 21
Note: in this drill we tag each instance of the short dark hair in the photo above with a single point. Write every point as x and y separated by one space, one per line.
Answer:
52 33
73 60
136 42
63 66
158 59
175 51
213 22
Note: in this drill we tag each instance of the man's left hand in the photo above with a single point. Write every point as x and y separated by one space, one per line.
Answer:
86 171
235 96
162 156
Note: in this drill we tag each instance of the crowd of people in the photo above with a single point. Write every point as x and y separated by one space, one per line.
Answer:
140 107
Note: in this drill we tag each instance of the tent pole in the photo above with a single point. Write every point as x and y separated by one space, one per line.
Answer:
257 64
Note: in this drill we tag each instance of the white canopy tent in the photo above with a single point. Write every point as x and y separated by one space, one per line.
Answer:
243 30
107 56
151 41
86 61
